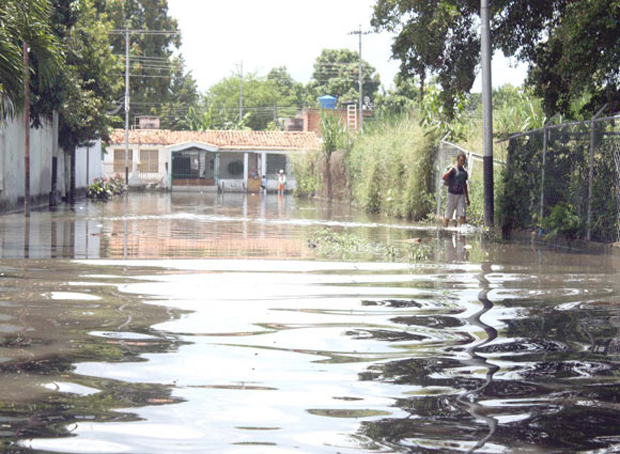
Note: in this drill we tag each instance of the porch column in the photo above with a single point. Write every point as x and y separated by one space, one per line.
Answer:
216 166
246 164
263 163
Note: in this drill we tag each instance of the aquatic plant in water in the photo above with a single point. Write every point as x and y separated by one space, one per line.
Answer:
348 246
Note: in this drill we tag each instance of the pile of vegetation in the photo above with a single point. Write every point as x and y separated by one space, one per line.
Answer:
346 246
106 188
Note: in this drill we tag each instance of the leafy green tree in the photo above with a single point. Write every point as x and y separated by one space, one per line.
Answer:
84 94
293 92
568 45
200 120
336 73
434 38
579 57
159 84
399 100
265 99
183 97
26 21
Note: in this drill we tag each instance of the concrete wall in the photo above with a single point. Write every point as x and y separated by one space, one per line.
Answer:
43 147
88 165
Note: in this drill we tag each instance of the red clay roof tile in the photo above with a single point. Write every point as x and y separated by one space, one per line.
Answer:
256 140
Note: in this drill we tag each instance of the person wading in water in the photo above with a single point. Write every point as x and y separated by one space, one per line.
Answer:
455 177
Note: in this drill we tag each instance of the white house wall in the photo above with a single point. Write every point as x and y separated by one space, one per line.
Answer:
162 159
226 157
88 157
43 146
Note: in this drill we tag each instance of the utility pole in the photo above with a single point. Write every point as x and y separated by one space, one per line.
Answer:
240 68
360 81
26 132
487 113
127 106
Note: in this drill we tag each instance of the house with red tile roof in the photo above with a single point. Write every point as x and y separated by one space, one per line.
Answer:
206 160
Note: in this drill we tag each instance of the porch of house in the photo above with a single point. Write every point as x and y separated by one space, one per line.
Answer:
202 167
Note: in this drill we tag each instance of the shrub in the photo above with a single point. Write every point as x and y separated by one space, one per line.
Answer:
103 189
99 189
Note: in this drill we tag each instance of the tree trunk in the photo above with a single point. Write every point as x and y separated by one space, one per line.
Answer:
421 87
72 186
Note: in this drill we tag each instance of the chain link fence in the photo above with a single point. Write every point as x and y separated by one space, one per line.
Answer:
564 180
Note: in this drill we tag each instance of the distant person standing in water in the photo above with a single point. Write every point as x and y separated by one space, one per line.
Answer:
263 185
455 177
281 182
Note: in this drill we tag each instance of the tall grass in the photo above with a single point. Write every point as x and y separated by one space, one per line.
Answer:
390 168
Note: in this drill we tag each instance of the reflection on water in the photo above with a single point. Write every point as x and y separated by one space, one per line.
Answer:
183 226
487 348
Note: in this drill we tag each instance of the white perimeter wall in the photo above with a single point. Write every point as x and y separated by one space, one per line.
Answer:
43 147
88 165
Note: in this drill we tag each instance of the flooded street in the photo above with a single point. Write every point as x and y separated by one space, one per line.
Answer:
193 323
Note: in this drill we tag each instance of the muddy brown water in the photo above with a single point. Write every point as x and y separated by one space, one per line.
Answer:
192 323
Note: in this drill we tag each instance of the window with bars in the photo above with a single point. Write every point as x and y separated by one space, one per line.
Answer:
149 161
119 160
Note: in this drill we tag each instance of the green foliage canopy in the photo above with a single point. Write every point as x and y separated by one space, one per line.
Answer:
571 47
336 73
84 94
265 99
26 21
159 83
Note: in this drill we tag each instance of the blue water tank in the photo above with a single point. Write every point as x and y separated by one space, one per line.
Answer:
328 102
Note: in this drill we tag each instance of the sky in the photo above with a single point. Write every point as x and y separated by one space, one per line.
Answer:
263 34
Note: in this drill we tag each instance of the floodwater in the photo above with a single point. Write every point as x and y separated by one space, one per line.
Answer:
193 323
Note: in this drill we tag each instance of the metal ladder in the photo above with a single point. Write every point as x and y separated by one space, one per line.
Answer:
352 116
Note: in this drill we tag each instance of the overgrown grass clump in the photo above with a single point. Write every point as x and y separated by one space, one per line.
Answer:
347 246
388 170
391 169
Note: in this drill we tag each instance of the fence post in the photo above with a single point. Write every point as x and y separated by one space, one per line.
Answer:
591 171
439 180
616 152
542 179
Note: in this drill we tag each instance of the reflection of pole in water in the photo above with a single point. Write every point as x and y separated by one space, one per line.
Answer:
125 239
455 248
53 240
27 236
468 398
245 215
125 231
263 214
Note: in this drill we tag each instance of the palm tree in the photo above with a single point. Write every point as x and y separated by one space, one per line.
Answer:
25 21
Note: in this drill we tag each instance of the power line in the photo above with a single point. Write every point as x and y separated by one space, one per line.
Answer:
144 32
151 76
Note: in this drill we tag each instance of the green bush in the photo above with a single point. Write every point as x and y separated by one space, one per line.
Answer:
562 222
103 188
